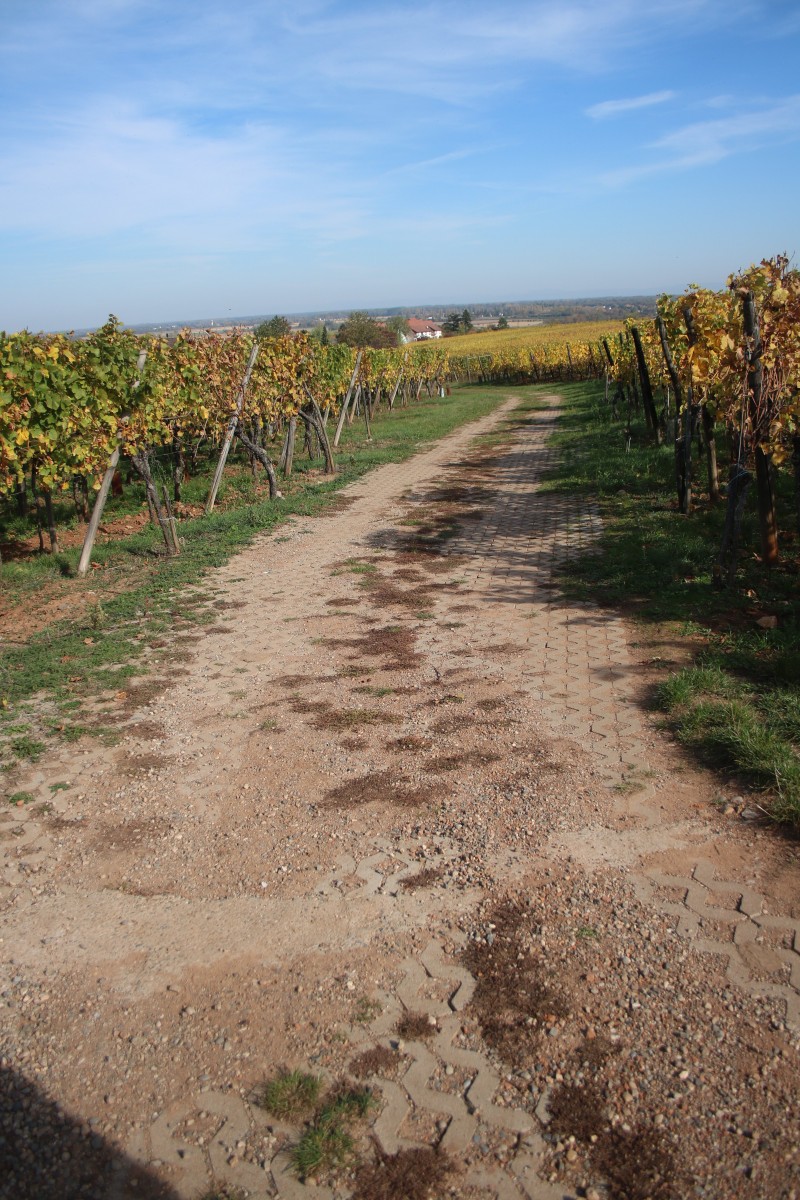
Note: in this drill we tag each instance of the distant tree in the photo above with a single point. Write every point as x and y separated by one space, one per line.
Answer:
319 333
275 328
360 329
457 323
399 327
502 323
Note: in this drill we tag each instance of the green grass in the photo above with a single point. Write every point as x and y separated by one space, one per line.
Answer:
327 1143
732 723
355 566
21 798
138 595
738 705
290 1094
27 748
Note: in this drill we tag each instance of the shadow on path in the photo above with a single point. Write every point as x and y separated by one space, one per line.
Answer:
46 1154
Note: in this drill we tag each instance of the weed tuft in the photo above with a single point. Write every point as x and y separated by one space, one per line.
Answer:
21 798
290 1094
326 1143
29 748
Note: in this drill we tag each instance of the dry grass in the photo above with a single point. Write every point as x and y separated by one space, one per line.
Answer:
379 1060
378 787
384 593
515 999
298 681
415 1026
140 694
392 642
309 706
424 878
145 731
637 1166
410 741
140 764
409 575
334 506
594 1053
467 758
427 557
577 1112
354 718
416 1174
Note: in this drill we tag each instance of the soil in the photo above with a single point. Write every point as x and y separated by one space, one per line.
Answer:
374 831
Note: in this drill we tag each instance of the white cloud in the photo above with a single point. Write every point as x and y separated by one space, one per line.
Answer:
117 171
704 143
454 50
318 51
612 108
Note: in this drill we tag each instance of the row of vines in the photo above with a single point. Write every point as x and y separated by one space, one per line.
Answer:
71 410
721 366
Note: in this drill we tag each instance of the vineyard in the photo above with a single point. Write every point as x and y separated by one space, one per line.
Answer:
713 364
720 366
72 411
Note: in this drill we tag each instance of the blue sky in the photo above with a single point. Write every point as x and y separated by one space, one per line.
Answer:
167 159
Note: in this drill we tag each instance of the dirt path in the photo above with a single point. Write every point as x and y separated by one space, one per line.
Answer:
399 815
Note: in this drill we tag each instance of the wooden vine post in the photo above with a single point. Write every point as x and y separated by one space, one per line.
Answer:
158 515
287 455
346 401
767 521
105 488
231 431
707 421
683 479
647 391
739 482
394 390
314 421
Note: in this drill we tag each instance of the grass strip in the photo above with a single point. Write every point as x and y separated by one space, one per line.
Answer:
738 704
